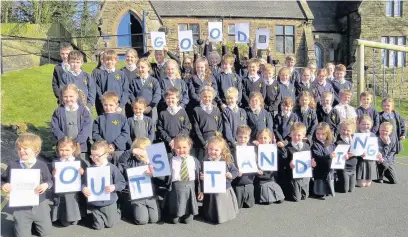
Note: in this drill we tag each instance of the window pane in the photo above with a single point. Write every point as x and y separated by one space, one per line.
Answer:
384 53
289 30
388 8
279 44
397 7
121 57
391 53
231 29
195 38
182 27
279 30
289 47
195 28
231 38
400 56
319 56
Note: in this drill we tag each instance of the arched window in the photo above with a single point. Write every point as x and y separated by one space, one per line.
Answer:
319 56
132 32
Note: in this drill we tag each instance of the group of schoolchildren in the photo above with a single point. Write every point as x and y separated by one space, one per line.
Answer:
202 110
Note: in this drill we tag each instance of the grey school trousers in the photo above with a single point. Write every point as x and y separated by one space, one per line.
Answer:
347 180
388 171
106 216
39 215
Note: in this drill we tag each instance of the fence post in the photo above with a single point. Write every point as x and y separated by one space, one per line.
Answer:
48 48
360 70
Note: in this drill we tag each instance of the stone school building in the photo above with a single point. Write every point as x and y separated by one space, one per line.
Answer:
312 31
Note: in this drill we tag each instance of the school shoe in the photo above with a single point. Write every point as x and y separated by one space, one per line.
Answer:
381 181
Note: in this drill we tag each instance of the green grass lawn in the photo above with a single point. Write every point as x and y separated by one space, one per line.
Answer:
27 98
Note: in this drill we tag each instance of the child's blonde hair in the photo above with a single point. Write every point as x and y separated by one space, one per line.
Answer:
183 138
69 87
327 131
207 89
29 140
110 96
174 62
306 69
225 152
69 141
349 122
253 61
387 125
327 94
140 142
232 92
132 52
75 55
256 94
290 58
269 68
208 73
228 59
243 129
284 70
312 103
267 131
298 127
144 61
345 92
110 54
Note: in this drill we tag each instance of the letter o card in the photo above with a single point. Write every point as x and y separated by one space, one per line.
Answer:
214 177
67 177
303 164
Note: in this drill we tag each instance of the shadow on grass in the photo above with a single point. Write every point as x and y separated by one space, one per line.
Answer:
10 133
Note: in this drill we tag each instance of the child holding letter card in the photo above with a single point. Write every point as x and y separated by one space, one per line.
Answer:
220 207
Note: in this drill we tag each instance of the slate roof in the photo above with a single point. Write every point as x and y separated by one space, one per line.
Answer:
324 13
241 9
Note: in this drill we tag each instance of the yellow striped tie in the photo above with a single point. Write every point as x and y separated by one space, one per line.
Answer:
26 165
184 170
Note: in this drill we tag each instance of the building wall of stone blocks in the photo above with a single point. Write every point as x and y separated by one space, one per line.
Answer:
300 48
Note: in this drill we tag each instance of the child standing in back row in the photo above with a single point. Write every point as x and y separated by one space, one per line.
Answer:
232 117
398 122
366 99
60 69
111 80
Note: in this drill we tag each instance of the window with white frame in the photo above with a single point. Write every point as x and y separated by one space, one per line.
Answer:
393 8
391 58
